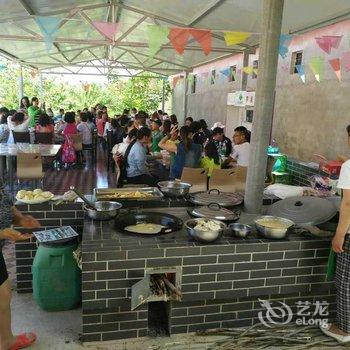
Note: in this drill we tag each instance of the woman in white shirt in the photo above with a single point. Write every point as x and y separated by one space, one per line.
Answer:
340 330
17 122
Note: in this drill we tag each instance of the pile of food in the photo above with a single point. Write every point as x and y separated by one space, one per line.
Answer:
37 195
207 225
128 194
145 228
273 223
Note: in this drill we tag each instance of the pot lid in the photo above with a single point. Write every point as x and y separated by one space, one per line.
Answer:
215 211
225 199
305 211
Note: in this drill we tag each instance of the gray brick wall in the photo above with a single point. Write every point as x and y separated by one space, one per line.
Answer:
221 284
301 172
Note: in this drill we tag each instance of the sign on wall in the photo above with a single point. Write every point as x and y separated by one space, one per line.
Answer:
241 98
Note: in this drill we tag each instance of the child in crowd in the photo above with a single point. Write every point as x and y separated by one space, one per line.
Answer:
211 160
156 135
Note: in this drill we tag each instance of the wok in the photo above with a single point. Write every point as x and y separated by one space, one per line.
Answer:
170 222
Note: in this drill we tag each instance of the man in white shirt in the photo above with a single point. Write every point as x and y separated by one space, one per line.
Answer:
241 149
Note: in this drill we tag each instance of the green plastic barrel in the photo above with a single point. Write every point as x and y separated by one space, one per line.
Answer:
56 277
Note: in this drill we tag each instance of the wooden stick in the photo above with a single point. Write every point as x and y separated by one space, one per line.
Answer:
172 287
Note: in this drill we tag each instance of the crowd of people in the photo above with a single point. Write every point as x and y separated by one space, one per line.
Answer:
136 139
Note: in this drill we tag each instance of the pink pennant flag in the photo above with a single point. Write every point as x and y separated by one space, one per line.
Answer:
204 39
108 29
334 40
178 38
335 64
345 59
324 44
328 42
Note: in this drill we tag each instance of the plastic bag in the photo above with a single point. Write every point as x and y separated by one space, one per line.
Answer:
331 265
284 191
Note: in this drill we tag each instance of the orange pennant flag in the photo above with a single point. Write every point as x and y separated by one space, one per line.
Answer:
178 38
335 64
204 38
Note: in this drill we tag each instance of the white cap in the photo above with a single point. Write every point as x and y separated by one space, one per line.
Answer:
218 125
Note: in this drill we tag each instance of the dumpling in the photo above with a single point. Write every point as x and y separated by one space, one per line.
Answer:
46 194
21 194
37 191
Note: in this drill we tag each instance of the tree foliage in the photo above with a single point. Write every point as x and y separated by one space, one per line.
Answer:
143 93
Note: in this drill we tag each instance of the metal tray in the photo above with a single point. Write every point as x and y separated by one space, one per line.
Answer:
107 193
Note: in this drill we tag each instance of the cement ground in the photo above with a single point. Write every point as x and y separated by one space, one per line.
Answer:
61 330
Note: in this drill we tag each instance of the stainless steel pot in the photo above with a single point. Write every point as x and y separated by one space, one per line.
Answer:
174 188
240 230
104 210
271 232
204 236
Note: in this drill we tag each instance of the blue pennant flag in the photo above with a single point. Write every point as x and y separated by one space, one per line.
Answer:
301 71
226 72
49 27
285 41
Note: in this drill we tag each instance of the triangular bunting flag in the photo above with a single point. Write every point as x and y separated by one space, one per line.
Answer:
317 67
226 72
49 27
324 44
233 74
108 29
248 70
176 80
327 42
345 59
157 36
334 40
178 38
285 41
33 73
335 64
233 38
204 39
301 72
190 78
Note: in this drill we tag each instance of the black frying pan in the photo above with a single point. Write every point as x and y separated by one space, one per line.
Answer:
171 222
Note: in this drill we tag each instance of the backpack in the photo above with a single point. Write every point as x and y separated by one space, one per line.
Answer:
68 151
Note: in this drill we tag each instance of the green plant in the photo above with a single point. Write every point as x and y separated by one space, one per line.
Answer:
143 93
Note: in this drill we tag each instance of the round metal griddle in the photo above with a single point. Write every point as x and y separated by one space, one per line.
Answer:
304 211
225 199
216 212
170 222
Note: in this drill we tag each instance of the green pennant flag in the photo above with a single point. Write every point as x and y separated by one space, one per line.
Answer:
190 78
157 36
317 67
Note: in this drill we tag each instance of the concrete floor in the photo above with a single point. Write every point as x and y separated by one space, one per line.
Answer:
61 330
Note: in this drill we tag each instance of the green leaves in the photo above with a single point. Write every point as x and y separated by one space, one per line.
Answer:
142 93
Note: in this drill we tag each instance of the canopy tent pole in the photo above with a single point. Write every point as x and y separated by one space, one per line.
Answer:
272 12
184 106
20 85
41 88
163 96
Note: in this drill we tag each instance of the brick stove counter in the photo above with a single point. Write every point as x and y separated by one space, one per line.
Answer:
221 281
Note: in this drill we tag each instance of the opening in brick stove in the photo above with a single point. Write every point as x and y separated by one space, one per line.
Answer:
158 288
